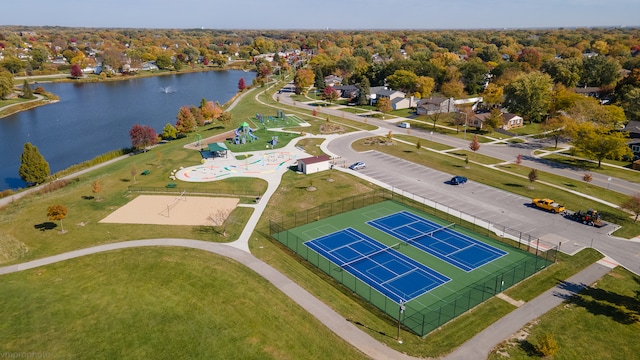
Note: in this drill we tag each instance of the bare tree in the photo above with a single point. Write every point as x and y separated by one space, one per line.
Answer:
633 204
220 219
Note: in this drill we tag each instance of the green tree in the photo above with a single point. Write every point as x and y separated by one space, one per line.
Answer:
57 212
6 84
600 71
556 128
12 64
600 142
494 121
27 93
169 132
403 80
473 75
33 167
490 53
630 102
364 90
318 78
178 65
39 55
529 96
163 61
565 71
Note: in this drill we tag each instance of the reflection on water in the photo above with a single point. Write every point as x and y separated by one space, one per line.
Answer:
94 118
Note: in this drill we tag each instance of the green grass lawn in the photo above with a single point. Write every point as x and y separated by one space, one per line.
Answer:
157 303
599 323
589 166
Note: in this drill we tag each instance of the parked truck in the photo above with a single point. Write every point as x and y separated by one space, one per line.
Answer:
548 204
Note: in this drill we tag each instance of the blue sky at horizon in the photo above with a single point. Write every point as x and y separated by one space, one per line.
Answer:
328 14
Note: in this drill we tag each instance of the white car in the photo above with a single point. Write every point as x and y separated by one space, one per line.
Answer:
358 166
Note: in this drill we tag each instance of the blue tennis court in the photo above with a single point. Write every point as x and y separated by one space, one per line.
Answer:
393 274
457 249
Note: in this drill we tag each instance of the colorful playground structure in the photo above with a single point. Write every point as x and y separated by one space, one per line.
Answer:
244 134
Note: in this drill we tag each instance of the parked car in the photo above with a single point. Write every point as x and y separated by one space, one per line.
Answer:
458 180
358 166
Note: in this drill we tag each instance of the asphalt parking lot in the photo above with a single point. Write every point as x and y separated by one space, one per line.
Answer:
484 202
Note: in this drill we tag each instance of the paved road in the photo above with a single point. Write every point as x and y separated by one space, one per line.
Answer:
506 152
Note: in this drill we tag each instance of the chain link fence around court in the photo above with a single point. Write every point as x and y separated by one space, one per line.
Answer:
420 320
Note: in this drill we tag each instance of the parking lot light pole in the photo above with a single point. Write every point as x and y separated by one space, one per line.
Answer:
400 311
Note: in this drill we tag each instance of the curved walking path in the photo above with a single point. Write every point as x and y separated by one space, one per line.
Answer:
334 321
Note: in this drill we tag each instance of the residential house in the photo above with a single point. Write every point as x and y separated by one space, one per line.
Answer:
435 105
591 91
347 91
332 80
509 121
633 128
314 164
149 66
397 98
373 91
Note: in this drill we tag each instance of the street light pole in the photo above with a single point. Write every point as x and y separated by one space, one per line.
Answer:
400 311
466 120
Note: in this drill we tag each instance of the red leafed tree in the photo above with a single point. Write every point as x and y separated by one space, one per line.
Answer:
76 72
142 136
241 84
475 144
330 94
185 121
205 61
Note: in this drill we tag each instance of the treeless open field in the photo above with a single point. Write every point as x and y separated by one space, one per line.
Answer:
171 210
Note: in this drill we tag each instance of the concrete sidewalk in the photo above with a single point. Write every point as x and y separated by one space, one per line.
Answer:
480 345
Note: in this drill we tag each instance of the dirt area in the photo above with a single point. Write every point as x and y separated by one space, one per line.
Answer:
171 210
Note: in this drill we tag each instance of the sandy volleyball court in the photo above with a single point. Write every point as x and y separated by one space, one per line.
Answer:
170 210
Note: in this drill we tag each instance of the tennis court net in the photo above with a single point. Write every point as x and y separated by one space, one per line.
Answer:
368 256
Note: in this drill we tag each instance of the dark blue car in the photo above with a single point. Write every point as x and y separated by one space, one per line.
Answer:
457 180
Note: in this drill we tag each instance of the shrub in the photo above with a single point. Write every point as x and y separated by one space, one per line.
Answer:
546 345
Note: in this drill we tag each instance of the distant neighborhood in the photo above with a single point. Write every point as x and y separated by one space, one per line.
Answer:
503 83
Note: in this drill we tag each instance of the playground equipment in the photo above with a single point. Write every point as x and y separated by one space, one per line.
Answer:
243 134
